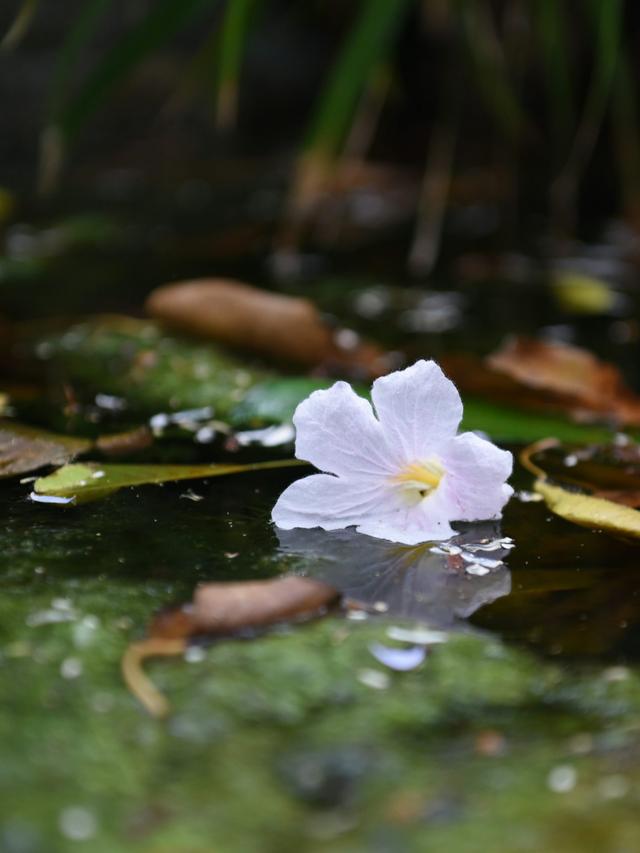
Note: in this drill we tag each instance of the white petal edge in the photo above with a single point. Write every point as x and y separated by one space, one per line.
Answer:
476 471
337 432
418 408
332 503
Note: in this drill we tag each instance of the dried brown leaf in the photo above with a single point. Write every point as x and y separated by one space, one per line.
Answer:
569 377
277 327
24 448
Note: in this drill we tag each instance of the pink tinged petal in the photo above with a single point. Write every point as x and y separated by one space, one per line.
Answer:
427 521
419 408
332 503
337 432
475 479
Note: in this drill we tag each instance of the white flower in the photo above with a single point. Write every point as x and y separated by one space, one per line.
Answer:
403 475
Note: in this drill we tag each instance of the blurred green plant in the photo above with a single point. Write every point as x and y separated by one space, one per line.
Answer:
512 56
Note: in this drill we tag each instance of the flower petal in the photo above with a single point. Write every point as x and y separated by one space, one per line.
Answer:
418 408
427 521
337 432
332 503
475 480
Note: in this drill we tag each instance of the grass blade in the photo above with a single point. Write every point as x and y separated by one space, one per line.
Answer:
233 37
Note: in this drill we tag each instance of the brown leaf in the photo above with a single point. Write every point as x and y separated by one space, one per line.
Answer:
227 607
125 443
570 377
281 328
24 448
221 609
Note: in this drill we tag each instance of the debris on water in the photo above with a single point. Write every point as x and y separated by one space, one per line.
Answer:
613 787
374 678
616 673
446 549
231 555
476 569
25 480
526 497
273 436
399 659
503 543
194 654
77 823
419 635
562 779
189 419
190 495
71 668
110 402
357 615
61 610
49 499
486 562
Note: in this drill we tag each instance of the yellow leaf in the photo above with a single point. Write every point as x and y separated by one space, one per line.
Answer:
589 511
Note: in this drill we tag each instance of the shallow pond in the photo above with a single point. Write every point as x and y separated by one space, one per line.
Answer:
516 730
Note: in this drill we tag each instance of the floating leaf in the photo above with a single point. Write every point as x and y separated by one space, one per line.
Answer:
579 508
589 511
91 481
571 377
24 448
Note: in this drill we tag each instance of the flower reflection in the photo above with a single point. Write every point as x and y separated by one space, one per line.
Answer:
423 582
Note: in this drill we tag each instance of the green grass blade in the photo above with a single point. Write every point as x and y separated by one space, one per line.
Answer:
78 37
606 21
366 44
491 73
235 28
551 26
20 25
165 18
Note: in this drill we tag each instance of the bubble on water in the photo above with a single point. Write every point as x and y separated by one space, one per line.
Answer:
77 823
562 779
374 678
71 668
613 787
399 659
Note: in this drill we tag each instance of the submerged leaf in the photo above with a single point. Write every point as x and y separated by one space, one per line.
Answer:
25 448
221 609
91 481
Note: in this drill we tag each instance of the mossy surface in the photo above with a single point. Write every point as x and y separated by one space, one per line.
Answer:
297 739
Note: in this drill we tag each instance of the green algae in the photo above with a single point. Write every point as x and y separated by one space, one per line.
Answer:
153 371
284 740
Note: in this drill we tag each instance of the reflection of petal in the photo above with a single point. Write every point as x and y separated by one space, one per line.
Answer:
401 659
413 582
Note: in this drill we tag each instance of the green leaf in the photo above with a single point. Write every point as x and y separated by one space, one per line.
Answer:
517 426
76 484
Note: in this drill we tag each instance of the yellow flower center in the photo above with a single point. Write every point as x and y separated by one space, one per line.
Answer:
420 479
